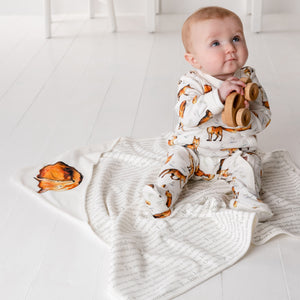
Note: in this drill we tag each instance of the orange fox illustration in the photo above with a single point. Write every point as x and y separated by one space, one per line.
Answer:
58 177
169 158
193 72
182 109
169 198
223 173
174 174
183 90
266 104
268 123
147 201
200 173
221 164
236 194
247 71
180 126
237 129
162 215
194 145
217 131
172 140
207 88
191 166
230 150
206 118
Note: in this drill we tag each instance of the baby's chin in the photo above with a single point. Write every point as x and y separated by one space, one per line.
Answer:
231 66
228 70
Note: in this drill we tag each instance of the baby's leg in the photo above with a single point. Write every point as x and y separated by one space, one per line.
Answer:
243 171
178 168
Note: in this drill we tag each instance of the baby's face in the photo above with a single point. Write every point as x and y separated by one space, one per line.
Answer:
218 47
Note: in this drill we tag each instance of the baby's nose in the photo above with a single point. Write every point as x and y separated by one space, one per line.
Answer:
230 48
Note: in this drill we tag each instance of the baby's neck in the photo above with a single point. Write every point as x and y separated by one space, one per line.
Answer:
223 76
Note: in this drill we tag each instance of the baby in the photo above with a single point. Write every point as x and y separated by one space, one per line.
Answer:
202 146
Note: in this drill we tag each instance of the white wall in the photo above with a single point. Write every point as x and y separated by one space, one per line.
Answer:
137 6
269 6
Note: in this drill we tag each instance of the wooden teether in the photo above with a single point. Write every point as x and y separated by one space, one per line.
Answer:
251 91
243 117
233 103
235 113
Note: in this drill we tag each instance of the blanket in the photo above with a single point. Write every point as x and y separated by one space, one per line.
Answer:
161 258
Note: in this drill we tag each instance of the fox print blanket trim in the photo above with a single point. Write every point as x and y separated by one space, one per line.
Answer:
199 239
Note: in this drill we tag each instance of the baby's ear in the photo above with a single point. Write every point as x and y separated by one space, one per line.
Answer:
192 60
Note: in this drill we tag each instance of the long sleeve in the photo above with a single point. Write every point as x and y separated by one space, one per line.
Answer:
196 101
199 111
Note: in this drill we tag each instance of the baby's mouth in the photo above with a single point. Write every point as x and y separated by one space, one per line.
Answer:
230 59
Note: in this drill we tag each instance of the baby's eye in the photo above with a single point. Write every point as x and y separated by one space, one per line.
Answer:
215 43
236 39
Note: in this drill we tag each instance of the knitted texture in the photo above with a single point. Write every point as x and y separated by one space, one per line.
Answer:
199 239
162 258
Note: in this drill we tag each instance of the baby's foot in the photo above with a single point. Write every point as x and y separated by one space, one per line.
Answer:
157 203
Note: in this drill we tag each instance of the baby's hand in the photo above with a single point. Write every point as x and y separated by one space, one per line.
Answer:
229 85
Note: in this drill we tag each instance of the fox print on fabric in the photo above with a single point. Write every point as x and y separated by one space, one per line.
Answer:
215 131
174 174
58 177
201 142
200 173
194 145
206 118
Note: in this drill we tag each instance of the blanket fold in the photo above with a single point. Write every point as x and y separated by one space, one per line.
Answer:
163 258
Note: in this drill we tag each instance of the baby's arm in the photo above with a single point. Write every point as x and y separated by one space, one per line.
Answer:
196 101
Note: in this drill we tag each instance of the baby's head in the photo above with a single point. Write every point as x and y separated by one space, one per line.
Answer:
214 41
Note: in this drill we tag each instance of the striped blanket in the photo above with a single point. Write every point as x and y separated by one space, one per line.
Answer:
161 258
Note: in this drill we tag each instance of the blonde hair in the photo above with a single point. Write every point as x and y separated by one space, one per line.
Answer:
206 13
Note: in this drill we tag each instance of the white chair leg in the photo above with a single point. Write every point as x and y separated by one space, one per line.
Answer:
47 16
248 7
157 7
112 15
92 9
256 18
150 15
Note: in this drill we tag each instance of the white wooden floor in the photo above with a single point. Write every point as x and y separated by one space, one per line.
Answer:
86 86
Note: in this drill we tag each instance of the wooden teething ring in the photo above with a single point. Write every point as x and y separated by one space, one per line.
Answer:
251 91
235 113
243 117
234 102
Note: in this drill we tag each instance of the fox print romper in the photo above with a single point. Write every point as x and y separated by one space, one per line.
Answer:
203 147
